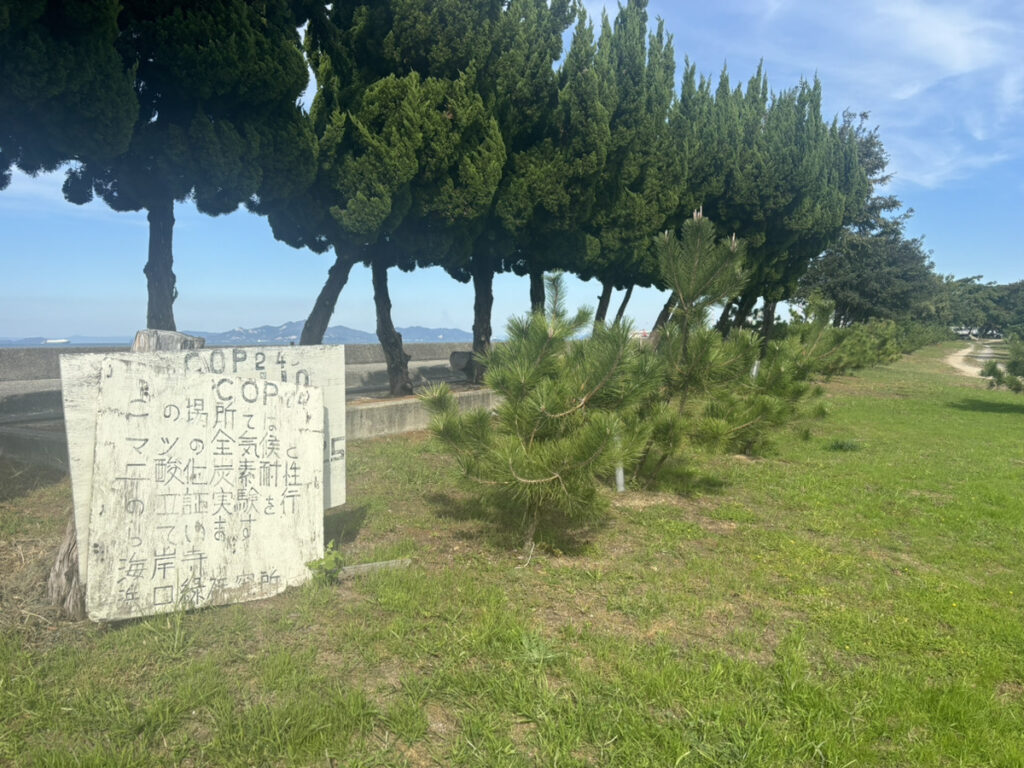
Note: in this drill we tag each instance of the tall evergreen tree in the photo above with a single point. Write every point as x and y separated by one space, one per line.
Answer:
552 187
873 270
791 182
65 92
640 183
500 56
520 86
409 155
218 123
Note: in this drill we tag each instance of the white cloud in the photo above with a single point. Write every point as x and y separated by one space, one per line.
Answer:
943 80
935 162
953 38
42 196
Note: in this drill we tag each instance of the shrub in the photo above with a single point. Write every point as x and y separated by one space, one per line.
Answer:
568 416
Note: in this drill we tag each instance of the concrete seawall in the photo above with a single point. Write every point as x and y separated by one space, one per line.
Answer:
30 377
31 410
36 363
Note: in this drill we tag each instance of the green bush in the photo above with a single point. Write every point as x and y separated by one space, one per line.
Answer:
1010 374
568 416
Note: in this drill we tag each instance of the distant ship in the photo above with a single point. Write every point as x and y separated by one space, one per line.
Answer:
56 341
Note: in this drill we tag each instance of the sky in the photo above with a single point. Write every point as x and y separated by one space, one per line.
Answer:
943 81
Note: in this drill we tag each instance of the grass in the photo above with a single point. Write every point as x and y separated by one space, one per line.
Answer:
852 599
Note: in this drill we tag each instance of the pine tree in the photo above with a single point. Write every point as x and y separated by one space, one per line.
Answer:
566 419
694 359
1011 373
720 392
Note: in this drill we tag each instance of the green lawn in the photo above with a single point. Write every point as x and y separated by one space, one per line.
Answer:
854 598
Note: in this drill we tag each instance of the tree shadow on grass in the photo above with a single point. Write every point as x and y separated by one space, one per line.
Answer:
342 524
18 479
683 480
458 507
503 527
986 406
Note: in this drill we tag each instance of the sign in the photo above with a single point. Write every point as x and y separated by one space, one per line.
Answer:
322 367
206 489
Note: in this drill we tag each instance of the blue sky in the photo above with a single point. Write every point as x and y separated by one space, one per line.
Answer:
944 81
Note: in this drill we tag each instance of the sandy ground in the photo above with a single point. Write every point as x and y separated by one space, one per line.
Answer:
959 361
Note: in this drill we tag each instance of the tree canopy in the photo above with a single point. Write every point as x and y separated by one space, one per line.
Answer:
456 134
65 91
218 122
881 274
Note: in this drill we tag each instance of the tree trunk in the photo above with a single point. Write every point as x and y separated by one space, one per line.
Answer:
483 302
664 315
622 306
743 309
159 267
64 588
723 323
536 291
767 324
316 324
602 303
390 339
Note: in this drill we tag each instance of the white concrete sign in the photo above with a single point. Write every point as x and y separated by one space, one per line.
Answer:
322 367
206 489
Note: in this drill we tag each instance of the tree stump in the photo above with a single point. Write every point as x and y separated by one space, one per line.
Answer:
65 588
151 340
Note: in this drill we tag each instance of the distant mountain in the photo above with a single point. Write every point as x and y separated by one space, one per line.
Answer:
289 333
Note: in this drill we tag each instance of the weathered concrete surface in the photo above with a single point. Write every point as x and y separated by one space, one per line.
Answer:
29 400
155 340
407 414
275 367
206 489
44 443
34 363
362 378
359 354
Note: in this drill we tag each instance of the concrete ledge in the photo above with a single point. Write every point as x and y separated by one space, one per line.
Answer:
356 354
27 363
373 377
30 400
45 443
408 414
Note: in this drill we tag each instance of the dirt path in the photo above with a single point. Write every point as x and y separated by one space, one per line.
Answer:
969 361
959 361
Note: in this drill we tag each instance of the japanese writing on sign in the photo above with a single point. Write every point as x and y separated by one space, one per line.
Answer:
207 490
322 367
